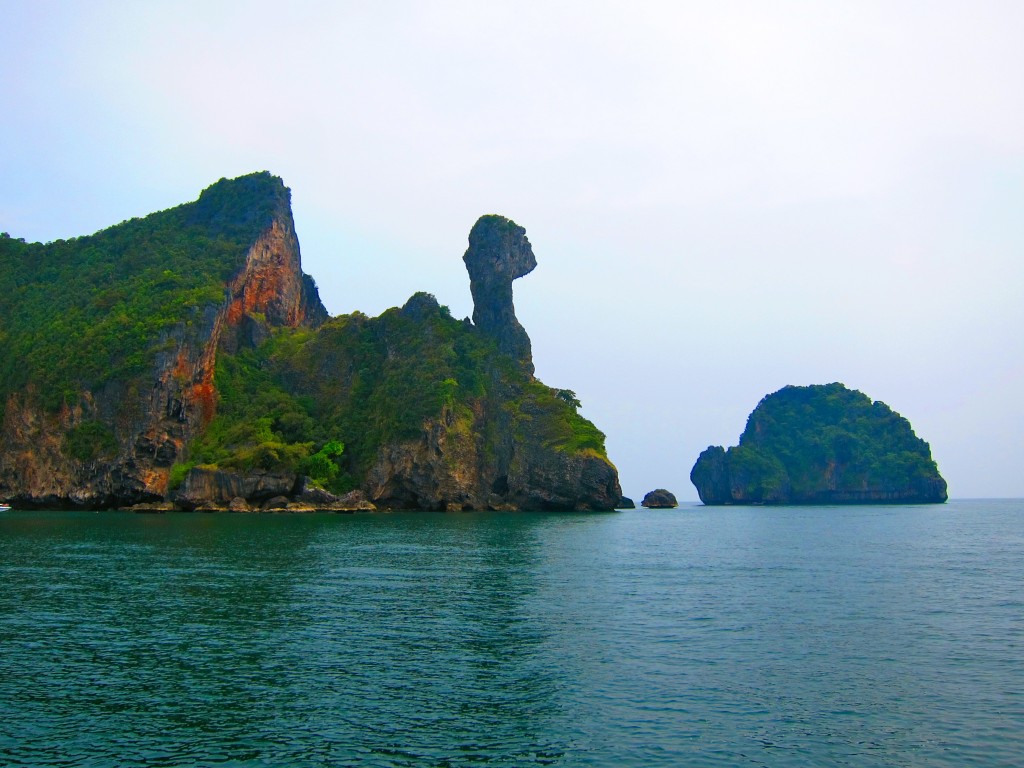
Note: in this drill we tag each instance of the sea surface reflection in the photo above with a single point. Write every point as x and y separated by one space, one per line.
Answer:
776 637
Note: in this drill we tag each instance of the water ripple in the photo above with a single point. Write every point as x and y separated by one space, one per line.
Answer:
867 637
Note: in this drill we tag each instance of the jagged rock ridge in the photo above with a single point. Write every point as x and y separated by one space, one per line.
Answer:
211 375
231 272
820 444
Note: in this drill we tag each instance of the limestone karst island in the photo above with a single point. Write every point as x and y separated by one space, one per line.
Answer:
183 360
822 444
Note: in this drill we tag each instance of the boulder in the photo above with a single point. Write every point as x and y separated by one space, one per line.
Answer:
353 501
307 492
659 499
151 508
238 504
209 506
205 484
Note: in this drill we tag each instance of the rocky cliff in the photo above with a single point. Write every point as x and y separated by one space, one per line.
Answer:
118 429
505 441
821 444
186 358
431 413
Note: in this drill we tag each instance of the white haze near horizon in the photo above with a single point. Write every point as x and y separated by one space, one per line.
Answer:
724 198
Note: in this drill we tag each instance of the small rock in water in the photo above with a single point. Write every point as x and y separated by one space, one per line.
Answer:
659 499
238 504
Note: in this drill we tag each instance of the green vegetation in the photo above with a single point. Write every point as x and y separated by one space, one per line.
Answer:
91 440
499 223
371 382
551 414
819 442
821 431
322 467
81 313
89 321
760 474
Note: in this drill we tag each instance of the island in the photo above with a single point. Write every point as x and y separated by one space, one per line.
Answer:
184 361
659 498
821 444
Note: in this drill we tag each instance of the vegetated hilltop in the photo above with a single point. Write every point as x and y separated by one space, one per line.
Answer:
820 444
185 356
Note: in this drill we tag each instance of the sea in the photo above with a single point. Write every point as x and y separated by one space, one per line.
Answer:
697 636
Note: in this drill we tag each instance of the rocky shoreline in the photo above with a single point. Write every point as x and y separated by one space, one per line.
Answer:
239 505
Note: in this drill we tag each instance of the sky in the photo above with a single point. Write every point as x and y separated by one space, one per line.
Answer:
723 197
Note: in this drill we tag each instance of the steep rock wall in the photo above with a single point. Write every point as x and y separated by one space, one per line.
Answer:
453 467
151 427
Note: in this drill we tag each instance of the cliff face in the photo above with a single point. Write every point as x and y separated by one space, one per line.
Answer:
114 442
822 444
431 413
271 283
488 455
186 357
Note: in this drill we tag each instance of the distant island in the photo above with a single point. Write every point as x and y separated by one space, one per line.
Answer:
184 361
659 498
821 444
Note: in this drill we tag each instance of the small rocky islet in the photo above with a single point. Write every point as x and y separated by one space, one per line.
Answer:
659 498
821 444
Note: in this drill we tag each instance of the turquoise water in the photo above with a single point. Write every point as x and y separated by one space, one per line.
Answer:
861 636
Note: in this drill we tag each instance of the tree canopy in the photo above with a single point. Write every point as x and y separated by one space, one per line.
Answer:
819 442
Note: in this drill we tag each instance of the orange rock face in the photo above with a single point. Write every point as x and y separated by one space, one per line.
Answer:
152 427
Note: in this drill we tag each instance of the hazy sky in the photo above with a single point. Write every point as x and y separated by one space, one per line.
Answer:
723 197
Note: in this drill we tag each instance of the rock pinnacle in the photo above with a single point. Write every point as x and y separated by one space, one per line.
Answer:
499 253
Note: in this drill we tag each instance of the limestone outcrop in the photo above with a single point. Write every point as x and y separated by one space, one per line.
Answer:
204 486
821 444
148 419
499 253
184 361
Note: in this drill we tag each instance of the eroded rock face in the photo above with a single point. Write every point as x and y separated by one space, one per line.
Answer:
271 289
213 486
710 475
452 469
150 426
499 253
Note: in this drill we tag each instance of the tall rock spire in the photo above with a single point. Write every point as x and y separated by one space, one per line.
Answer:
499 253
